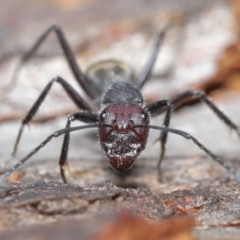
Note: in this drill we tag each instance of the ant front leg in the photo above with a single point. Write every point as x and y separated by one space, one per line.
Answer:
203 97
56 134
76 98
195 141
86 117
155 109
80 77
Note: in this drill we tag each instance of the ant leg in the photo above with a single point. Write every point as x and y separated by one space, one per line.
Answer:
80 77
154 109
200 145
77 99
145 73
87 117
203 97
47 140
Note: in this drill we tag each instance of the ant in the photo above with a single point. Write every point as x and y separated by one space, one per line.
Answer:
123 122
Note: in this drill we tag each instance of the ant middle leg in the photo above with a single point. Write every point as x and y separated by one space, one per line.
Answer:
155 109
76 98
179 99
79 76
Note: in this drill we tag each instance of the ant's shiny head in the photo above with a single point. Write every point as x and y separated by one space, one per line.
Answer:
122 143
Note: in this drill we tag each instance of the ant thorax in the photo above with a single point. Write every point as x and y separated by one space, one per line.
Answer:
122 92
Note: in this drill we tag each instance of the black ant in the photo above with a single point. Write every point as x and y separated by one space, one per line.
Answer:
124 122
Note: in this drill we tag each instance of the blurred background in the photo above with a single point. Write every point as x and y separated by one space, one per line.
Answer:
200 51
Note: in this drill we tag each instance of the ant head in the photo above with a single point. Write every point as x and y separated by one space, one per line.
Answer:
122 142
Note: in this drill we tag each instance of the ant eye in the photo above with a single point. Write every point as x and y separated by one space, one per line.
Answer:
143 116
103 115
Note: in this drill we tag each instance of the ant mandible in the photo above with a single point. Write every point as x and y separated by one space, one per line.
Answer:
124 122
